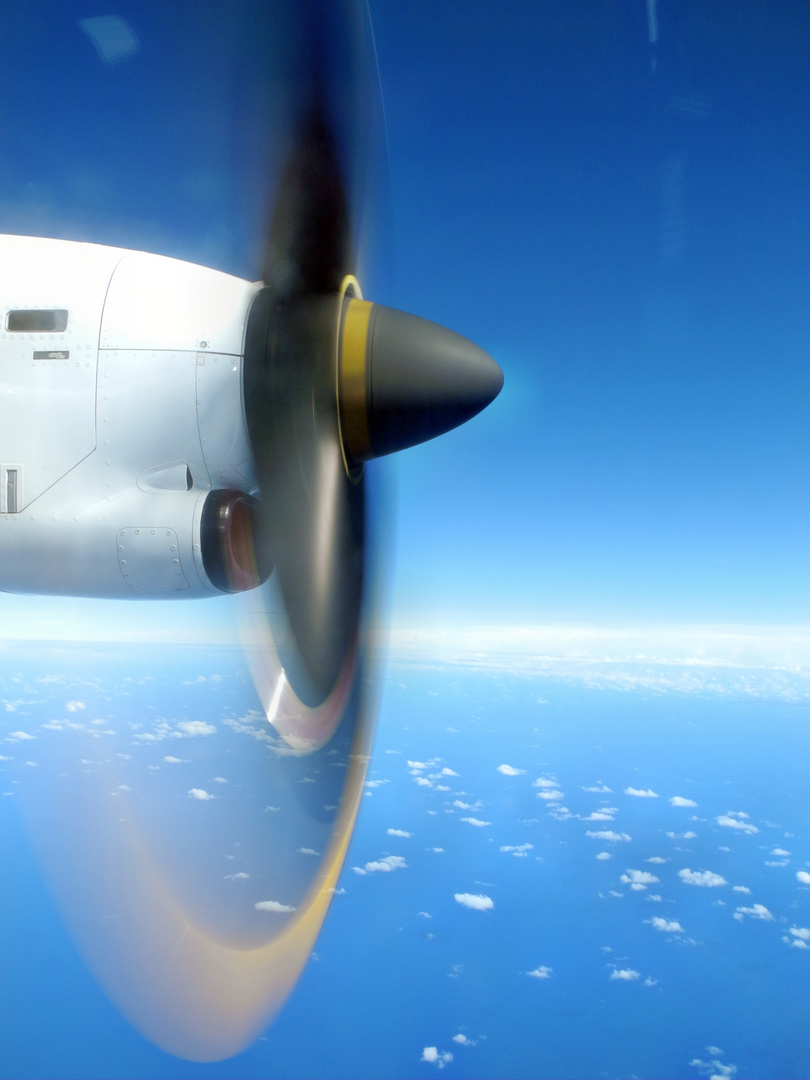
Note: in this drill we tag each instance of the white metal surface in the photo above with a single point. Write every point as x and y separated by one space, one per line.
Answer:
109 445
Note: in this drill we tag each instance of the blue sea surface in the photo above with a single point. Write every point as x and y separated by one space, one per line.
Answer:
486 922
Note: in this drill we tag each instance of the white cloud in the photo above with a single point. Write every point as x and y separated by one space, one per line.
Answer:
742 889
665 926
508 770
220 780
425 914
241 876
196 727
803 877
541 972
199 794
551 796
682 836
545 782
780 851
173 760
476 822
608 834
656 859
399 832
307 851
478 902
20 736
733 822
462 1040
604 855
518 849
273 905
704 878
382 866
74 706
714 1070
801 932
417 765
641 793
758 911
600 788
447 772
625 974
679 800
639 879
599 815
436 1057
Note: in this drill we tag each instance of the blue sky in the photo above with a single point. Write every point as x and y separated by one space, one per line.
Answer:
632 247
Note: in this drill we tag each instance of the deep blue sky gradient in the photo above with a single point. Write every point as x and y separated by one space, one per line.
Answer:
633 248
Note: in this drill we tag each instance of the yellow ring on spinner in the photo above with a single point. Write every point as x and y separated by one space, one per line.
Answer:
351 343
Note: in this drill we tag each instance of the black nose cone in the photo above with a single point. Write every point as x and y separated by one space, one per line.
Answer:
421 380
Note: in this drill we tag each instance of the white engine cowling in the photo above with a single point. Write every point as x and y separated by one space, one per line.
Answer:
121 419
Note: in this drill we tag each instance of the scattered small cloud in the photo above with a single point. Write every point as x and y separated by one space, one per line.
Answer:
196 727
74 706
399 832
641 793
639 879
604 855
780 851
307 851
803 877
199 794
436 1057
625 974
734 821
656 859
241 876
274 906
599 788
679 800
382 866
476 822
517 849
478 902
742 889
703 878
173 760
545 782
508 770
665 925
542 972
758 911
715 1069
462 1040
608 834
20 736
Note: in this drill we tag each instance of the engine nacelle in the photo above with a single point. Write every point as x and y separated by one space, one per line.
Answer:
125 465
